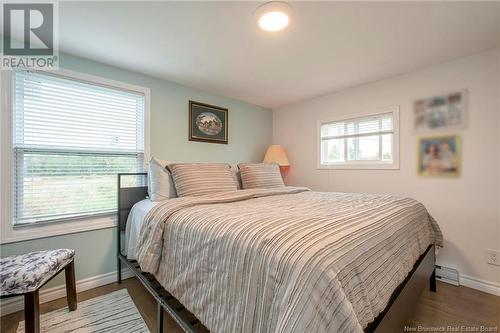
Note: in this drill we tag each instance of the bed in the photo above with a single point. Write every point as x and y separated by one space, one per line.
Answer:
280 260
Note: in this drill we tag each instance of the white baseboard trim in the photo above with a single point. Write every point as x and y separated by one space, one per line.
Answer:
14 304
480 284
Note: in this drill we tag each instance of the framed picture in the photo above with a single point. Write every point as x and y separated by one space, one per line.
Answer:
207 123
446 112
439 156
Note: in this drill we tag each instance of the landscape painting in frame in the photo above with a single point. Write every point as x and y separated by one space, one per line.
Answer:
440 112
439 156
207 123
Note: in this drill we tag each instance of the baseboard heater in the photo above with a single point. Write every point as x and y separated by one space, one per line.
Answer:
447 275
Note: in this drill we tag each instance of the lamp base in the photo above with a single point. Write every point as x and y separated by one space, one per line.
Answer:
284 170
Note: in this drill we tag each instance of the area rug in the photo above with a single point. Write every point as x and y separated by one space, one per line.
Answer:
114 312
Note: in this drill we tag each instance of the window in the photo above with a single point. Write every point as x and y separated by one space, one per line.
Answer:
363 142
70 137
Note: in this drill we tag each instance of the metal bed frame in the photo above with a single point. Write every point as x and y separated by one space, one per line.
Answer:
401 304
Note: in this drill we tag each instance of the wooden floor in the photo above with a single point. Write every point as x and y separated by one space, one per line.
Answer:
450 306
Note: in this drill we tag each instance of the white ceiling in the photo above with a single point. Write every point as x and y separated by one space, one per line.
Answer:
216 47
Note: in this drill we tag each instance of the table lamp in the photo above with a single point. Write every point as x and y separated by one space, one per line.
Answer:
277 154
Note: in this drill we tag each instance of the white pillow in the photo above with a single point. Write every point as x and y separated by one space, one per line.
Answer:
160 182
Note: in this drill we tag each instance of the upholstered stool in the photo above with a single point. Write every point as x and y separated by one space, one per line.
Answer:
25 274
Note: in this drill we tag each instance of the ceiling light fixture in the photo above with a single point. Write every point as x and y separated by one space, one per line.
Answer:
273 16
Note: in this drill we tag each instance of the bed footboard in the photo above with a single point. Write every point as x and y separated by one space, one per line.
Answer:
405 297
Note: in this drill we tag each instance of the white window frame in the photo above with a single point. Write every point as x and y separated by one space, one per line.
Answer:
363 165
10 233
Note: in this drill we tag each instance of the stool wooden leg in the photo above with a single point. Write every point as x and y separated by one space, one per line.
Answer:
32 312
119 271
69 271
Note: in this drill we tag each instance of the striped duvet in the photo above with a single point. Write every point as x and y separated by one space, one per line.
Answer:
287 259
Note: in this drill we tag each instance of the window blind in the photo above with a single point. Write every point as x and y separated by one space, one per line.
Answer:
70 139
374 125
359 139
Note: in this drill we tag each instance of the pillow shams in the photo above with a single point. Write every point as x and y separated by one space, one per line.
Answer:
196 179
260 175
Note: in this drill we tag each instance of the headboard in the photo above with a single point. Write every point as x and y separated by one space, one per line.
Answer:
132 188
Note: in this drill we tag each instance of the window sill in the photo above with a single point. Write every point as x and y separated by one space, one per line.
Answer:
359 166
11 234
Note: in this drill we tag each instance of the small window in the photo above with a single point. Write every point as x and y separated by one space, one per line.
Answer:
363 142
70 139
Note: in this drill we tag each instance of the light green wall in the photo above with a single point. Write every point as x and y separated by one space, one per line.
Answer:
250 132
95 251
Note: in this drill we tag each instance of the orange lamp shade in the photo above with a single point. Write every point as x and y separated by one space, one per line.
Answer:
277 154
